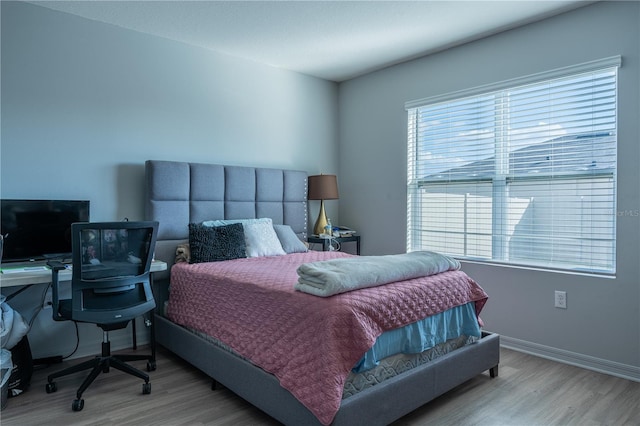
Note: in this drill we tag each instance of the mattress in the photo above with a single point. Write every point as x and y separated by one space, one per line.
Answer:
422 335
411 345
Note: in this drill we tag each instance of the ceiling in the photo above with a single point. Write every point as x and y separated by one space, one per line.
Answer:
332 40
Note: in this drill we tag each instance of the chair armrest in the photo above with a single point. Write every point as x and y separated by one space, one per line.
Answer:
56 265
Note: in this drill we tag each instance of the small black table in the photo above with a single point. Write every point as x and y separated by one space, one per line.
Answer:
326 242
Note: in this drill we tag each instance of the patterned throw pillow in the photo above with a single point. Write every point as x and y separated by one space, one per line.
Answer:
213 244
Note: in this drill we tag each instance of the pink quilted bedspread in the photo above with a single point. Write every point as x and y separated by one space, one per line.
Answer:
309 343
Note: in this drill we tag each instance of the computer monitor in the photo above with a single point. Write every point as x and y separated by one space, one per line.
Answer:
39 229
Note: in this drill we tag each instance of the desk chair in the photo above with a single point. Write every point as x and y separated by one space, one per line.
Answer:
110 287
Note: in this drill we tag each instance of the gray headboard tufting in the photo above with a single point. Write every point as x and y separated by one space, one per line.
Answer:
179 193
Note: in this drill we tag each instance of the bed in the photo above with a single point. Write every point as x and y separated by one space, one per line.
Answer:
179 193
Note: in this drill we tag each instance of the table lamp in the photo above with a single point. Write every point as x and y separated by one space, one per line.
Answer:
322 187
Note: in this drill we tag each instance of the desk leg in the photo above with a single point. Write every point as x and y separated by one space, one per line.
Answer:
152 318
358 246
135 337
153 338
151 364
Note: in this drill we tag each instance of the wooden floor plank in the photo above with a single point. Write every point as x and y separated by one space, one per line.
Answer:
529 391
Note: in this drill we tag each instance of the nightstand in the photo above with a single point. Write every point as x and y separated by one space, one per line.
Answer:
326 242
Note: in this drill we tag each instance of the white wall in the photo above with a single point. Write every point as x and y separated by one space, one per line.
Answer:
601 327
84 104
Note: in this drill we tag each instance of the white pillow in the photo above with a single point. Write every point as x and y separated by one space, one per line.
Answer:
260 237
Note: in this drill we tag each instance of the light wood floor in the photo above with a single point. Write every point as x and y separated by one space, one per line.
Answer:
528 391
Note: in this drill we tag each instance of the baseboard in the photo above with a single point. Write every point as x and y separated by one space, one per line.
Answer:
612 368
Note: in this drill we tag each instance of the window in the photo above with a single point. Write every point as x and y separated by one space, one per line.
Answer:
522 173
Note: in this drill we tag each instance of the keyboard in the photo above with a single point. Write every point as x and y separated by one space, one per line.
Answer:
21 270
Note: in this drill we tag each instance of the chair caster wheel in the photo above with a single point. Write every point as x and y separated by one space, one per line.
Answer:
146 388
151 366
78 405
51 387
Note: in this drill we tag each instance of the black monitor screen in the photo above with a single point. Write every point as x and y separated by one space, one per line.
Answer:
39 229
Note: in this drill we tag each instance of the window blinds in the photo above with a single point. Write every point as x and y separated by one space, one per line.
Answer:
523 174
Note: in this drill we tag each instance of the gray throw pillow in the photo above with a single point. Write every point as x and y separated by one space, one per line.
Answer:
289 240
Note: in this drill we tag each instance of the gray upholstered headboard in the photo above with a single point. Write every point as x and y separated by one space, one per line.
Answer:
179 193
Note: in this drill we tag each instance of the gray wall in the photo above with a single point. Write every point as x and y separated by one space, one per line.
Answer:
84 104
601 327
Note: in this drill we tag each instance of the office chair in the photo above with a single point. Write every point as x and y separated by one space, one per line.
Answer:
110 286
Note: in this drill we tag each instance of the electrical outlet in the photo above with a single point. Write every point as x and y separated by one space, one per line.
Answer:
561 299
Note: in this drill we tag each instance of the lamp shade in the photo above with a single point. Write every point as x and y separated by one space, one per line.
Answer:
323 187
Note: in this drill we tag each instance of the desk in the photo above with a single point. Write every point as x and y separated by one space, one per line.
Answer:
16 279
29 278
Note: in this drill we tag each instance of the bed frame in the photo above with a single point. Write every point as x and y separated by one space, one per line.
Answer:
178 193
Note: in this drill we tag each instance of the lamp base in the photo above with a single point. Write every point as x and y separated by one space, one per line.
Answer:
321 222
